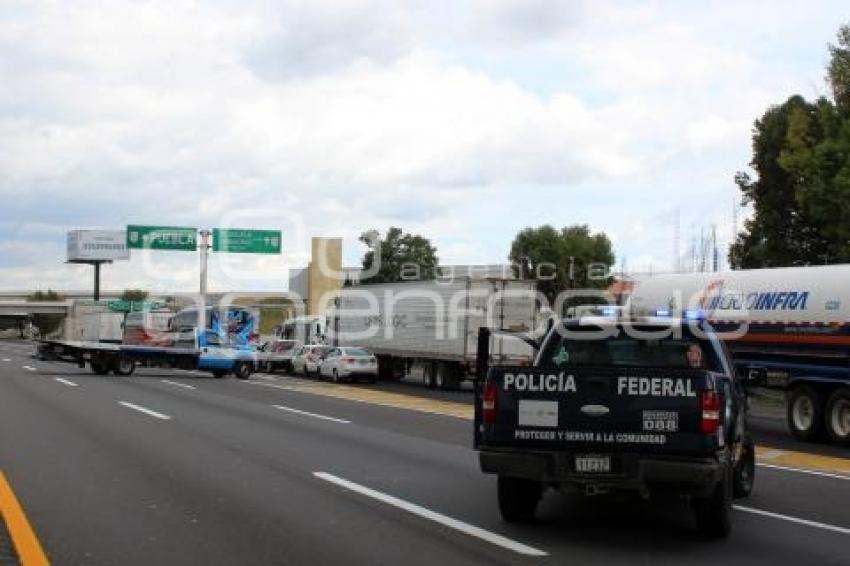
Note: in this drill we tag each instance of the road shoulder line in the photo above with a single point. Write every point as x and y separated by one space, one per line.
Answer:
27 546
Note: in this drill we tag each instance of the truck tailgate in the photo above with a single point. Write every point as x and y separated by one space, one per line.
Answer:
597 410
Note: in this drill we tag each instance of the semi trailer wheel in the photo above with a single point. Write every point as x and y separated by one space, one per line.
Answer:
805 413
837 416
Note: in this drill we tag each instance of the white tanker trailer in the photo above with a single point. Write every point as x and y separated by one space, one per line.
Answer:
791 326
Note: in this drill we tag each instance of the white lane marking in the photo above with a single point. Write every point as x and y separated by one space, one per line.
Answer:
465 528
6 360
283 387
145 411
30 368
183 385
314 415
803 471
806 522
67 382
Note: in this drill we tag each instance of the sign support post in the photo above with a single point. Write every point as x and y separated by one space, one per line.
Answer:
202 308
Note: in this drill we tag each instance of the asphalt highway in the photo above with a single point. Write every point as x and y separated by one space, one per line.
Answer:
171 467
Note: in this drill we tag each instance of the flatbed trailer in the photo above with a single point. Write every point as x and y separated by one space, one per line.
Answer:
122 359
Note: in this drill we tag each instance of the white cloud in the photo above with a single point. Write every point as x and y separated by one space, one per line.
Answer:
359 114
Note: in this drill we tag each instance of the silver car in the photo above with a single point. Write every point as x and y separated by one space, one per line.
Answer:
349 363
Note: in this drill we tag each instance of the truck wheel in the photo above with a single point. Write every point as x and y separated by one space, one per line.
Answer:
714 514
124 367
448 376
838 416
430 375
805 413
744 474
242 370
99 367
518 498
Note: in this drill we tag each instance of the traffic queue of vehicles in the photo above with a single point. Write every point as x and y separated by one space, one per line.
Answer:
338 364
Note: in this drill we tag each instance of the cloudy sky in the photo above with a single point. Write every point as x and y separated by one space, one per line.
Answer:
464 121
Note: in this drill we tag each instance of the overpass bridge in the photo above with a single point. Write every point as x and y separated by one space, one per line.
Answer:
14 315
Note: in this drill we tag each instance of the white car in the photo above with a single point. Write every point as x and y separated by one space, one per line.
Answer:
349 363
307 359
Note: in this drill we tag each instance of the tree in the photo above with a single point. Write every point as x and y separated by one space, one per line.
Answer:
838 72
544 253
134 295
801 192
41 296
403 257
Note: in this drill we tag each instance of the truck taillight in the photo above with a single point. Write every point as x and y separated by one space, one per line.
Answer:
710 412
488 402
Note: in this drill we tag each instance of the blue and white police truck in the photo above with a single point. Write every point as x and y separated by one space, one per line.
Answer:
788 327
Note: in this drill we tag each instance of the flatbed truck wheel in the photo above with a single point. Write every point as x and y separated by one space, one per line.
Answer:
837 416
714 514
805 408
242 370
518 498
124 367
99 366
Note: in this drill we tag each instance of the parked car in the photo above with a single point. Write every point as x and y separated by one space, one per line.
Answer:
349 363
278 354
307 358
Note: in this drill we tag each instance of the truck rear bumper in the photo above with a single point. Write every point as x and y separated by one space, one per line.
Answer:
681 475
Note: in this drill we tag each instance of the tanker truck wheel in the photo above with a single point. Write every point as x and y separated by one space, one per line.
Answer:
805 413
837 417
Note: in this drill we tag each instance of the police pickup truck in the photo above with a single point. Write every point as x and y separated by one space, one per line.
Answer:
651 406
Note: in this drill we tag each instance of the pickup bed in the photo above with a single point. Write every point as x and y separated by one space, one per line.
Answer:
653 408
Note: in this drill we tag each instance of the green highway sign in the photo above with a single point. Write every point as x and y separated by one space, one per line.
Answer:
246 241
134 306
162 238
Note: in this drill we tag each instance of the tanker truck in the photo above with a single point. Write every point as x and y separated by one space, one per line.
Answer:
789 328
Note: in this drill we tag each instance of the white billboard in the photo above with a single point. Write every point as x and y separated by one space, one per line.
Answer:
97 245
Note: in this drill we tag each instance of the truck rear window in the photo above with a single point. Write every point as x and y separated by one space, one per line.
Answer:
627 351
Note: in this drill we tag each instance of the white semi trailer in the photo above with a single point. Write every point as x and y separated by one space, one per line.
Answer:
789 325
434 324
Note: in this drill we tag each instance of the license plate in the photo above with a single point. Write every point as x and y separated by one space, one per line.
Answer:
593 464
